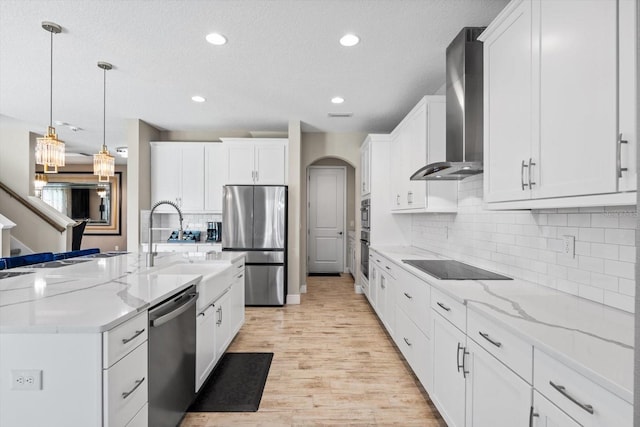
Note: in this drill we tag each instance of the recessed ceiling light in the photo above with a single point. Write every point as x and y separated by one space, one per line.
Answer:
197 98
349 40
340 114
216 39
438 176
337 100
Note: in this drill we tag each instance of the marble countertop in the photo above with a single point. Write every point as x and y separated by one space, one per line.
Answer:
95 295
593 339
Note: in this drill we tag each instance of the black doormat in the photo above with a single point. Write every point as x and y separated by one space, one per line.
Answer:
325 274
235 385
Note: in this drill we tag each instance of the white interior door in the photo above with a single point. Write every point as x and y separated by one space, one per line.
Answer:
326 214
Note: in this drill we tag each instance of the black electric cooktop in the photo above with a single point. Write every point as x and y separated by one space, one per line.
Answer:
453 270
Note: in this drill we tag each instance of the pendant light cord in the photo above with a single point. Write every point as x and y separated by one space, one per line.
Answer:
51 84
104 109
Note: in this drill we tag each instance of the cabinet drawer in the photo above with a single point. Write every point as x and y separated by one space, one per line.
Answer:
125 387
120 340
504 345
452 310
414 298
384 264
141 419
414 346
585 401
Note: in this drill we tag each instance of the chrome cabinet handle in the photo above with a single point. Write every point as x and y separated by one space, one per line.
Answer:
397 199
563 391
531 164
387 267
240 276
200 314
619 167
488 338
522 166
458 365
407 341
128 393
531 415
407 295
444 307
409 197
134 336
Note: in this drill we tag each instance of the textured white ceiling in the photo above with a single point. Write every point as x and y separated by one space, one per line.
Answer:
282 62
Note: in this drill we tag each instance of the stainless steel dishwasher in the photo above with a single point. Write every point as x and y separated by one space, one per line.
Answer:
172 358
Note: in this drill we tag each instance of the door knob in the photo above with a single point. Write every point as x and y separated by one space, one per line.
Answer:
340 233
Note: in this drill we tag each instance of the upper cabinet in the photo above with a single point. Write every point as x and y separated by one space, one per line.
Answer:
560 104
190 174
365 168
420 139
177 175
260 161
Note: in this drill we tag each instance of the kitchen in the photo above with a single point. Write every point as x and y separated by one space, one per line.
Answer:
594 229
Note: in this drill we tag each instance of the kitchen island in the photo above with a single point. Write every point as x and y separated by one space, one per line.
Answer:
71 335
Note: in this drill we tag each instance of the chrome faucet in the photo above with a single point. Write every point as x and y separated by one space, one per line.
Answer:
151 254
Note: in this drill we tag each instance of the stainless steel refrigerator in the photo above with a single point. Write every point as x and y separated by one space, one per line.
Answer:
254 220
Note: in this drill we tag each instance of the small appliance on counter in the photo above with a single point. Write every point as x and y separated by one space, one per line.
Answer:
214 231
188 236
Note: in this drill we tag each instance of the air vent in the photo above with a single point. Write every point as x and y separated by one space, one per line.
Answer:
340 114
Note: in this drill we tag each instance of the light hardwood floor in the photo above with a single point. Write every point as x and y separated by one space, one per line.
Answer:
333 364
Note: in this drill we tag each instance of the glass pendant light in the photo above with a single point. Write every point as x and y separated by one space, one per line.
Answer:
49 149
103 162
39 183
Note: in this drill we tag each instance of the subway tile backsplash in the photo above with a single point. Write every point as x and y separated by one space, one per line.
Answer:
529 244
170 221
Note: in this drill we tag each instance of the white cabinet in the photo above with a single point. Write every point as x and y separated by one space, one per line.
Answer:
223 323
205 344
546 414
215 174
190 174
365 168
385 291
550 132
419 139
237 298
495 395
257 161
449 371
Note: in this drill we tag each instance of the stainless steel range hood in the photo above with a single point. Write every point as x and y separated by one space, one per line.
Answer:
464 111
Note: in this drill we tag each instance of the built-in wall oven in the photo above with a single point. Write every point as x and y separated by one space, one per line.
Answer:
365 207
364 253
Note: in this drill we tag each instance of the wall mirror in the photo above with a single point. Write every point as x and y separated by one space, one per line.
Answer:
80 196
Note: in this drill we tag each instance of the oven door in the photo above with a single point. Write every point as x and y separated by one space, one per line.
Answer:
364 258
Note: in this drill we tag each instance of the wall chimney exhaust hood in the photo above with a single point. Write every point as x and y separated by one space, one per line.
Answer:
464 111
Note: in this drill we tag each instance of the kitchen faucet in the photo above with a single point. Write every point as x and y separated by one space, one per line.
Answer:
151 254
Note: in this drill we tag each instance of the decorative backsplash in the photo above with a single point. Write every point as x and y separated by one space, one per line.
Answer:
529 244
193 222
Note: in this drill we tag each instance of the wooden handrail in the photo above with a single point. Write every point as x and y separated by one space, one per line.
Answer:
29 206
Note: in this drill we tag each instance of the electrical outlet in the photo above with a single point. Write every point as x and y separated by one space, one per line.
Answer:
26 379
569 245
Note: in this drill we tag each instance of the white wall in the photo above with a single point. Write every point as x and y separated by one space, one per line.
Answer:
528 244
295 180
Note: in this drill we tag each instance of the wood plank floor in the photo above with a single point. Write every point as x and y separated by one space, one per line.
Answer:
333 364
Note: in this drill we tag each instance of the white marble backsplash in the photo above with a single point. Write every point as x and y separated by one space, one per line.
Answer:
170 221
528 244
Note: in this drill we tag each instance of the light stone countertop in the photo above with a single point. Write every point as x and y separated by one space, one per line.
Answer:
93 296
591 338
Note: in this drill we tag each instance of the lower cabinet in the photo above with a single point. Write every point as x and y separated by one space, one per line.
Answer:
223 323
449 371
415 347
205 344
546 414
495 395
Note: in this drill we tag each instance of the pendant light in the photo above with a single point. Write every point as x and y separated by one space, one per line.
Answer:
39 183
103 162
49 149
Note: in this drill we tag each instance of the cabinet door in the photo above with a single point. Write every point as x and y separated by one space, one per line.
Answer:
216 171
271 163
508 107
396 157
578 99
365 169
496 396
192 177
448 379
415 149
546 414
166 174
628 74
241 163
374 274
223 324
237 303
205 344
